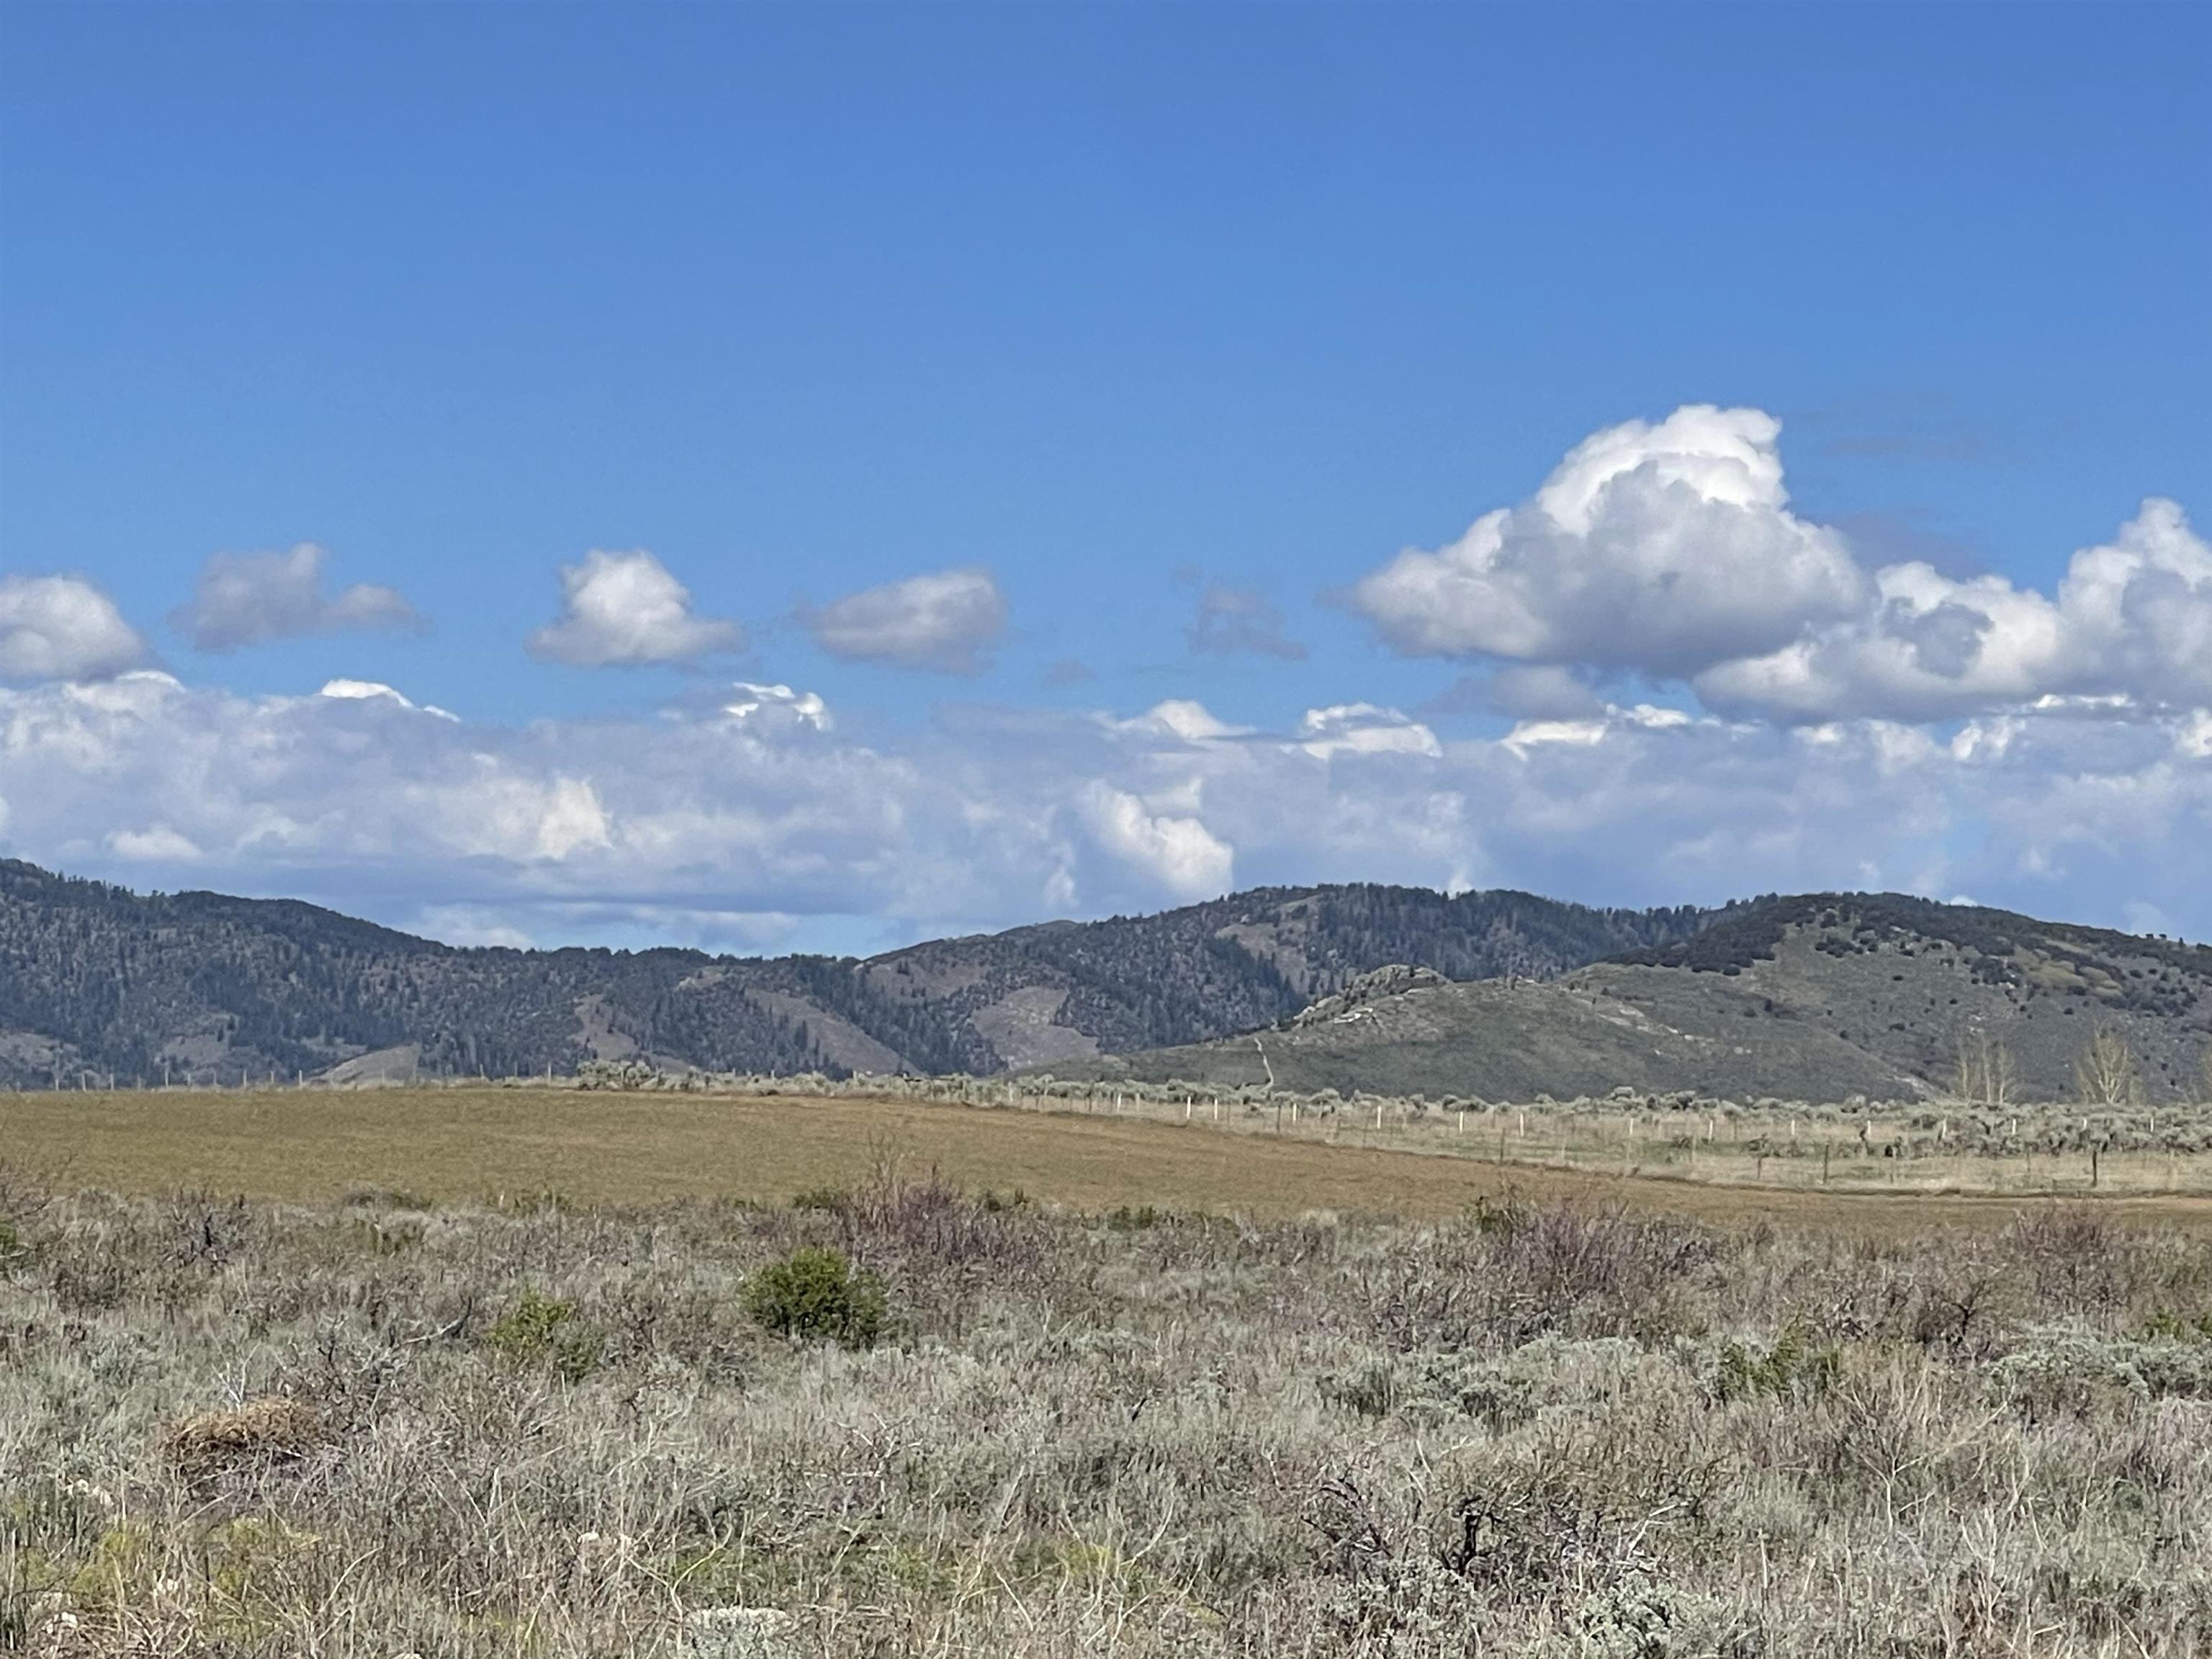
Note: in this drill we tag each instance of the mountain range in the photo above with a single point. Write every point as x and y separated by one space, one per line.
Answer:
95 978
1496 995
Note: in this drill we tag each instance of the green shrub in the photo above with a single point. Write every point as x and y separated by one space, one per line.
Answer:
1640 1617
387 1198
1503 1391
1792 1368
540 1331
1126 1221
1370 1388
815 1294
11 1243
2068 1367
1495 1220
2161 1326
544 1201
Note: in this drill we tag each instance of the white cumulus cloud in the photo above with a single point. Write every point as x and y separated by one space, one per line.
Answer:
246 598
945 622
1671 550
1363 728
375 691
1660 548
776 704
156 844
2131 624
1184 719
625 610
62 627
1176 852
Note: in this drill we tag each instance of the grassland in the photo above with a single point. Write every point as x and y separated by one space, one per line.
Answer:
380 1428
496 1143
479 1373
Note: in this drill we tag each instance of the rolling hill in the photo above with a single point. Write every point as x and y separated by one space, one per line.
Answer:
1818 997
96 978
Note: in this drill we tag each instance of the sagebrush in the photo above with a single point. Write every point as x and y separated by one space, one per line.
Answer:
259 1430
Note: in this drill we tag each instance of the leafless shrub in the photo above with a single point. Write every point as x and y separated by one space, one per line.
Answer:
273 1429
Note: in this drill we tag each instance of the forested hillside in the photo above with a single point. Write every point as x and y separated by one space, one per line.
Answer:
1816 997
95 977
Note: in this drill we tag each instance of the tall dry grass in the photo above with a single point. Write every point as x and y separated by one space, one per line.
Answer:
380 1429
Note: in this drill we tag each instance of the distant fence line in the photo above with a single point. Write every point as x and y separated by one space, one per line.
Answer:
1684 1112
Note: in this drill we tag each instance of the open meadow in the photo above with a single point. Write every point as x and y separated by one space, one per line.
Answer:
495 1144
506 1372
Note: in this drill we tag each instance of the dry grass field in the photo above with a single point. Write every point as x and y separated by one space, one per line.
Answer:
500 1372
496 1144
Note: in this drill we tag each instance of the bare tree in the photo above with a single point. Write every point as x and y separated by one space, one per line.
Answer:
1986 1075
1965 1078
2107 1073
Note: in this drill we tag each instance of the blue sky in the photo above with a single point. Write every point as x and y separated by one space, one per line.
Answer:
1164 332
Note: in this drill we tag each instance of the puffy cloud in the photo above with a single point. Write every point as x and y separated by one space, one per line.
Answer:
62 627
1671 550
1232 621
1664 549
1179 853
2131 622
2140 609
944 622
1928 648
1363 728
1184 719
1589 729
245 598
367 690
769 704
155 844
625 610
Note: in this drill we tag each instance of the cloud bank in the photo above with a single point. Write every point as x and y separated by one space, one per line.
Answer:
702 820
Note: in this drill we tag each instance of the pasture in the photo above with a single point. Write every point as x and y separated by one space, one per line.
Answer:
496 1144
